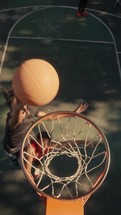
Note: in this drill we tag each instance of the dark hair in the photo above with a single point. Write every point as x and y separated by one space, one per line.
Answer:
44 135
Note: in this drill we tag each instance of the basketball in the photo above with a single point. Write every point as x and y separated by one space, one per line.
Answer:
35 82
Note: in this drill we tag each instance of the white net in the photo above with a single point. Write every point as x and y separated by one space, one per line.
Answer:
66 157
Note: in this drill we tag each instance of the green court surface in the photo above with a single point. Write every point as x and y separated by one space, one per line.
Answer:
86 52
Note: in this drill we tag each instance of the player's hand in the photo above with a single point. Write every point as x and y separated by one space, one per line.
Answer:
81 108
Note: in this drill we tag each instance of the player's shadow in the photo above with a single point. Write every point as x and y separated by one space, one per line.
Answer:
17 195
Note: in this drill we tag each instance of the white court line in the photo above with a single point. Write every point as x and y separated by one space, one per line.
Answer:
7 41
104 12
45 7
60 39
115 46
37 7
61 6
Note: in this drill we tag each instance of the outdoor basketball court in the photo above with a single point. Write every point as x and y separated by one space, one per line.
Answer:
86 53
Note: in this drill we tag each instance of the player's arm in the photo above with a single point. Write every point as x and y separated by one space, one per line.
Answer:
81 108
40 113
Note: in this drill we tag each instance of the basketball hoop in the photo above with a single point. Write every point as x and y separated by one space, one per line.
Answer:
72 161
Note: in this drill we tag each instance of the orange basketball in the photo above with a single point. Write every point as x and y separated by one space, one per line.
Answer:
35 82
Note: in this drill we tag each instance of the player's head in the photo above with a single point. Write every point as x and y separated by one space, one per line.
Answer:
45 138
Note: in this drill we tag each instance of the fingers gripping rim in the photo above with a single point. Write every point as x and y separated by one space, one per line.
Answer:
65 156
